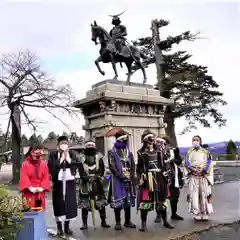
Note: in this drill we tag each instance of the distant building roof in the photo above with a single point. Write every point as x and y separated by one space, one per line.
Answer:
46 145
50 145
77 147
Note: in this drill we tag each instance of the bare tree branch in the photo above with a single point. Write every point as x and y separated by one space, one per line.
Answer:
23 82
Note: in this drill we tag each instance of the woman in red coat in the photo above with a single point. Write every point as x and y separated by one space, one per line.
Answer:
34 179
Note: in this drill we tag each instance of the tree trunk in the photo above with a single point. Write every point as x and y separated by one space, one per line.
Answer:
158 55
164 92
170 129
16 142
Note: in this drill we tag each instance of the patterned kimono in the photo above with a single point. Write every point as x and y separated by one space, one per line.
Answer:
199 188
122 188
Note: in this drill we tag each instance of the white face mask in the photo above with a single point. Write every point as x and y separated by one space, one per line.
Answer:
63 147
196 144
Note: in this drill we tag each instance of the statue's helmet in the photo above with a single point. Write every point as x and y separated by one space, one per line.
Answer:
116 20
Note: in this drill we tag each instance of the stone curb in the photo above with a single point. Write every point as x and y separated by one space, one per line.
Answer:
190 234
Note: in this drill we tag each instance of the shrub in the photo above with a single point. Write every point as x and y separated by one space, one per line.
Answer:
231 150
11 207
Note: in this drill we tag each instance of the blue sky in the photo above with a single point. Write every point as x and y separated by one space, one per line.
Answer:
59 32
68 63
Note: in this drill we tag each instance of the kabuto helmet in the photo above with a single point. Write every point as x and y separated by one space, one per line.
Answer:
147 136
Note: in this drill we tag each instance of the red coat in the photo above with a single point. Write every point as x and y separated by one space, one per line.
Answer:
34 175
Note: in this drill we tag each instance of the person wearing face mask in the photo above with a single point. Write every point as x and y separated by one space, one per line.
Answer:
91 170
122 185
175 175
63 165
153 183
34 179
198 163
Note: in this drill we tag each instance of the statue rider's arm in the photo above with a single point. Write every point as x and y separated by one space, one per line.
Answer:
124 31
110 33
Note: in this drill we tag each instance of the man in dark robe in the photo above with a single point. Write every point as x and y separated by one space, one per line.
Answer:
153 183
91 170
176 182
122 188
62 166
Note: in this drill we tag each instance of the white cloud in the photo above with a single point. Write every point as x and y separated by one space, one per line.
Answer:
57 29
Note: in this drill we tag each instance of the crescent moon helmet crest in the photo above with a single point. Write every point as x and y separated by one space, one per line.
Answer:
117 15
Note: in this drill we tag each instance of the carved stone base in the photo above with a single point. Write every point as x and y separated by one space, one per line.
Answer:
133 107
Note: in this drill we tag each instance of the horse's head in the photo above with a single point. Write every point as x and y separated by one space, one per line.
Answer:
98 32
95 31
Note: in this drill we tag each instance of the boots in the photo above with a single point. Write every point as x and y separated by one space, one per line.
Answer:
143 227
67 229
174 203
158 217
166 224
128 223
84 219
117 212
102 213
59 229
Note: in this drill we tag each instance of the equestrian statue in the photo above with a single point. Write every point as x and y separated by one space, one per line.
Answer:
114 48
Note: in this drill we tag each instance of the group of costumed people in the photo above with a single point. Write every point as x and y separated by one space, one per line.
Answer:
147 185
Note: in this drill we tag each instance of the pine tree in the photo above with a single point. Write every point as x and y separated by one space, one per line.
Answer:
192 88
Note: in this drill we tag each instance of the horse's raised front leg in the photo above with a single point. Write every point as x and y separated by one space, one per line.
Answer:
97 61
113 62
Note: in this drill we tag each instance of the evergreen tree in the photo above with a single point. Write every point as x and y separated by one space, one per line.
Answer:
24 139
192 88
231 150
33 140
40 138
65 134
52 136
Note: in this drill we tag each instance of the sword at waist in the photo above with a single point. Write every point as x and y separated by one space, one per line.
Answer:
64 181
154 170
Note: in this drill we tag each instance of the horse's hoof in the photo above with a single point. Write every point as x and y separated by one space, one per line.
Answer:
144 81
115 78
103 73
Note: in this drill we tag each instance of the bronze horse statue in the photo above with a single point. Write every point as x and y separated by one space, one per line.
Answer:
129 54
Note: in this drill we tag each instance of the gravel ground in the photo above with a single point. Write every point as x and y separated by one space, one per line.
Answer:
227 208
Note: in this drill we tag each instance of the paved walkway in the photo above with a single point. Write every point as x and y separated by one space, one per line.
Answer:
226 199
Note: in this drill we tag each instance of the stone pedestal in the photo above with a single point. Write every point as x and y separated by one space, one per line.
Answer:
133 107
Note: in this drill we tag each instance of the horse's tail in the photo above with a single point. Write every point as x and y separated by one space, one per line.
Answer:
143 56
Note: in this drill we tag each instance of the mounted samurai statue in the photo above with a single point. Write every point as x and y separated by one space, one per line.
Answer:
114 48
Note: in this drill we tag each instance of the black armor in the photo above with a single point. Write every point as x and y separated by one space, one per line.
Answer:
152 174
118 34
